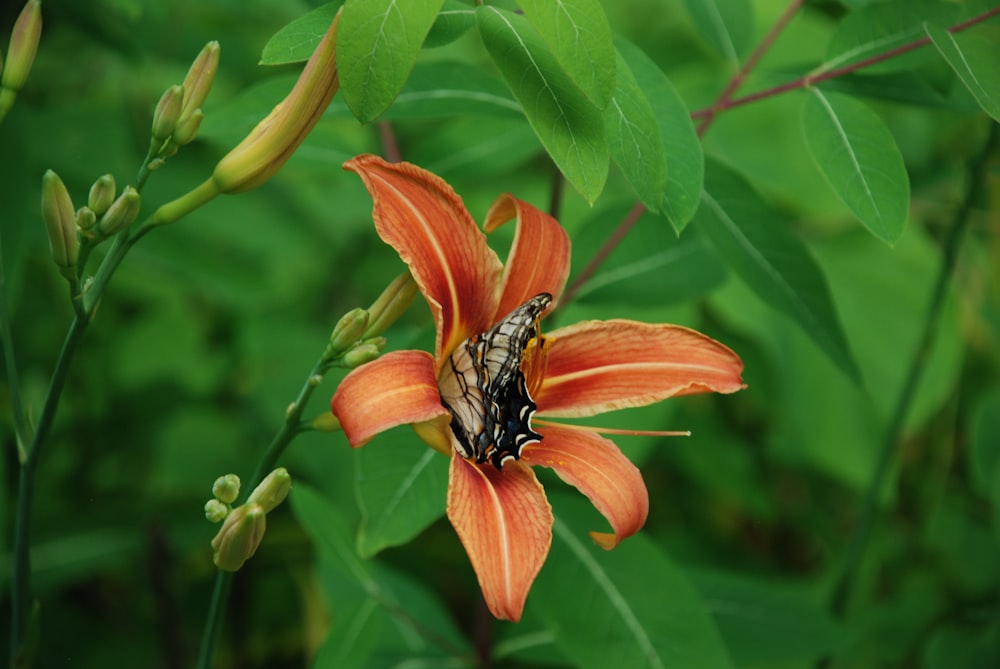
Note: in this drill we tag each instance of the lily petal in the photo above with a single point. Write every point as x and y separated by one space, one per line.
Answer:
420 216
539 256
598 366
396 389
505 524
598 469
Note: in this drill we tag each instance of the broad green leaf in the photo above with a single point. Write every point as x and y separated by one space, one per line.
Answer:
650 266
685 159
579 36
858 156
377 45
401 490
727 25
445 89
476 148
909 87
764 623
761 247
626 608
878 28
974 61
634 139
569 127
296 41
454 20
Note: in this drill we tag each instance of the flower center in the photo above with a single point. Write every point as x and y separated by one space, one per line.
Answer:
483 387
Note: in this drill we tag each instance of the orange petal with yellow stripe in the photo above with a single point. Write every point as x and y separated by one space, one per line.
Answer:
597 468
539 256
396 389
597 366
505 523
425 221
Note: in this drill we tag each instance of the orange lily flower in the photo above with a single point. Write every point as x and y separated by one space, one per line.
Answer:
492 371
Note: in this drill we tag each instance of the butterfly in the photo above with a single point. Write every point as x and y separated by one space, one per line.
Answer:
483 387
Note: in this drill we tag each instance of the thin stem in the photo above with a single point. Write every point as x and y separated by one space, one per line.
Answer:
21 580
602 254
859 541
10 363
223 579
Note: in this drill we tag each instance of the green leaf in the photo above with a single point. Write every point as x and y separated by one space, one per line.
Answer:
401 490
634 139
446 89
764 623
296 41
454 20
880 27
974 61
630 607
579 36
858 156
685 159
569 127
984 451
763 250
377 45
727 25
650 266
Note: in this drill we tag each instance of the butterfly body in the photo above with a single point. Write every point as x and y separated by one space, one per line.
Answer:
484 388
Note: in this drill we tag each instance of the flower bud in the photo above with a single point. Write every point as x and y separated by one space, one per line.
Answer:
187 129
85 218
325 422
272 490
273 140
23 46
102 194
366 351
239 537
226 488
216 511
121 213
347 332
168 112
198 81
60 222
391 304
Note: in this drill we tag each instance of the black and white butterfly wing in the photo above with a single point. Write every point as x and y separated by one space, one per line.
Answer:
484 388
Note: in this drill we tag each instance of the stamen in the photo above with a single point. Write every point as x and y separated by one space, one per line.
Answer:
611 430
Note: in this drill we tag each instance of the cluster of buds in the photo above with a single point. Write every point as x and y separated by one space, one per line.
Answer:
178 115
101 217
243 527
356 337
20 54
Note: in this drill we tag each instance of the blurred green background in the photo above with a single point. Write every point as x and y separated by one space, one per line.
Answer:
211 325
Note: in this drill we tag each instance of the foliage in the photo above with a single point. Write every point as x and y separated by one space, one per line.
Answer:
813 184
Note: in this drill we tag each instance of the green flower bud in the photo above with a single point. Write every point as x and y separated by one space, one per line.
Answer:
226 488
85 218
347 332
198 81
168 112
102 194
23 46
187 129
121 213
391 304
216 511
60 222
272 490
365 351
239 537
325 422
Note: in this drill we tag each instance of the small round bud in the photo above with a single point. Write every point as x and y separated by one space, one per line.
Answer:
226 488
167 113
121 213
272 490
187 128
325 422
347 332
85 218
239 537
102 194
216 511
366 351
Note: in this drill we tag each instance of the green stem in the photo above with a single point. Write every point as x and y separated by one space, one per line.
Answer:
21 579
223 579
10 363
859 542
